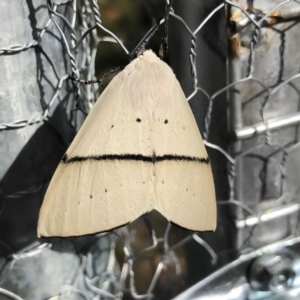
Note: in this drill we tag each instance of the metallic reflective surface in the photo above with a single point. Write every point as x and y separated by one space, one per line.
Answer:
272 124
270 272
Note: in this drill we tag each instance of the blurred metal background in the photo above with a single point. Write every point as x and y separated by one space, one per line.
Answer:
238 63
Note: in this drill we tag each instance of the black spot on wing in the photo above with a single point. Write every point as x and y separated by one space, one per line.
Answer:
138 120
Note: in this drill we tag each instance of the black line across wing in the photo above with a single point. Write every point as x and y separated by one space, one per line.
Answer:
136 157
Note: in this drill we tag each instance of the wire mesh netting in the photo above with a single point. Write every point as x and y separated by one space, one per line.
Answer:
238 63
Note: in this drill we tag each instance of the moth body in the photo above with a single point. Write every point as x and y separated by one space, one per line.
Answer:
139 149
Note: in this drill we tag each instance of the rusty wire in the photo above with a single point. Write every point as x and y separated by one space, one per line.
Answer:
90 20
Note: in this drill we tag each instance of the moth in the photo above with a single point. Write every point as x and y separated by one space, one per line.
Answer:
138 150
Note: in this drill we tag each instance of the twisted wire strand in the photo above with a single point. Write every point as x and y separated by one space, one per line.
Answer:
79 31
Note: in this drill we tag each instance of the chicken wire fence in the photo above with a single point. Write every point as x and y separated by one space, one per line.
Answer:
248 115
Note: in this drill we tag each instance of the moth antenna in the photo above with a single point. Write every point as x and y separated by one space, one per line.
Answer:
164 47
141 47
97 80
